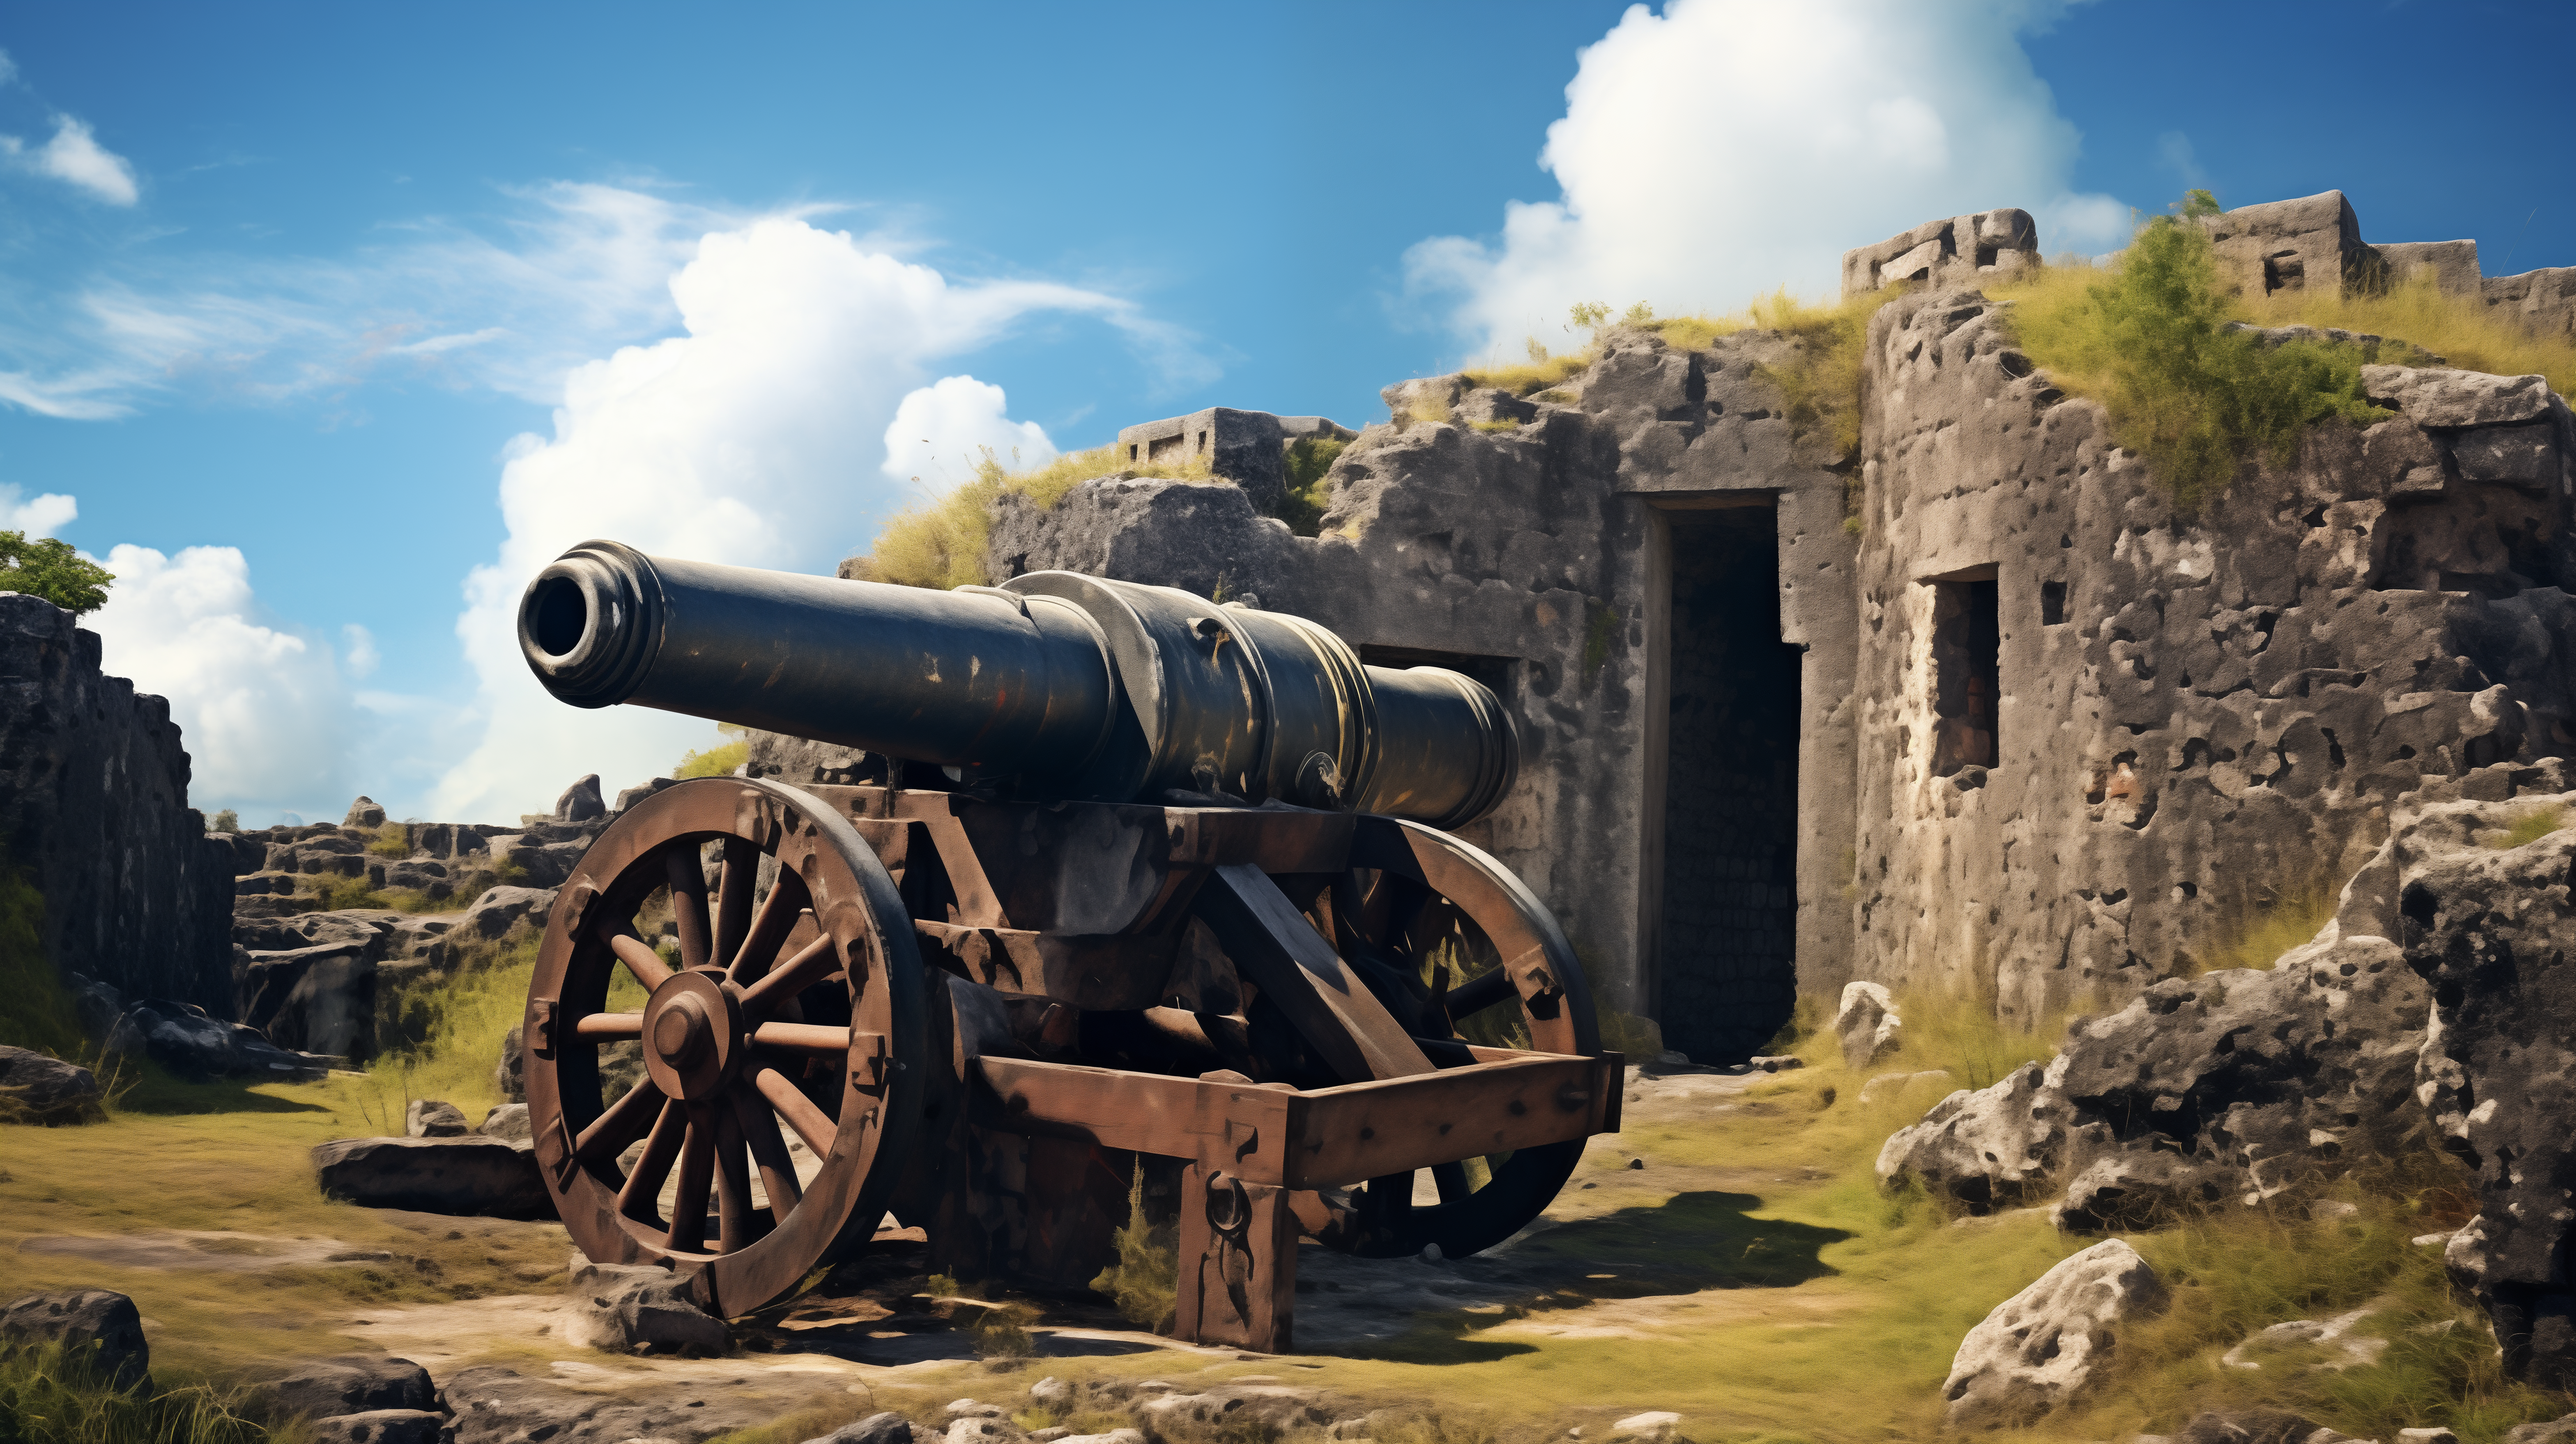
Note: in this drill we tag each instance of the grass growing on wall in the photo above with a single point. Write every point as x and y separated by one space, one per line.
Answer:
940 543
2463 330
2148 337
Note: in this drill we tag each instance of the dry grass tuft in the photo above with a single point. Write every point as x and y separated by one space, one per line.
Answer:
940 543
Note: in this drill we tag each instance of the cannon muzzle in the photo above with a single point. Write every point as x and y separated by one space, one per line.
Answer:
1054 685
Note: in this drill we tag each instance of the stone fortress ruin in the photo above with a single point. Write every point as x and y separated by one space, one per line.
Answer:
1966 705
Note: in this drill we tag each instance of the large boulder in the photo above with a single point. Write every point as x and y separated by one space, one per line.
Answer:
352 1384
45 1089
364 813
2240 1083
101 1329
581 802
2041 1347
468 1175
320 999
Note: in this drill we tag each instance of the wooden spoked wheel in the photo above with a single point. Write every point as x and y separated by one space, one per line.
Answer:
1421 901
795 1014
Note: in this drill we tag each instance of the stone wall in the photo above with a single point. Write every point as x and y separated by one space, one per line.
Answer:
94 811
2200 718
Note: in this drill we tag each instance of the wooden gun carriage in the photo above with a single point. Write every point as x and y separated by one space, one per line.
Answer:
1170 904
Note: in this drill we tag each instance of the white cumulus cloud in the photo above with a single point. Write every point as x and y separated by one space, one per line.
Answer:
744 440
263 712
1726 147
942 430
39 516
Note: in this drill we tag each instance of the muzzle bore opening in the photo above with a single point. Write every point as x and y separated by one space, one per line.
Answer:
559 616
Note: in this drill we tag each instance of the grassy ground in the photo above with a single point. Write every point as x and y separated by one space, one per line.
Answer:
1750 1275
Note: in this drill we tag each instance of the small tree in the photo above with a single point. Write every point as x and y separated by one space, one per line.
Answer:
52 570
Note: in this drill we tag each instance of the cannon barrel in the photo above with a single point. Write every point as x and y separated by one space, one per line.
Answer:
1053 685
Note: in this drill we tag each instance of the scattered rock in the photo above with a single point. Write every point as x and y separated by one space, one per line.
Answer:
506 1121
1987 1149
494 1405
1769 1063
470 1175
2038 1348
353 1384
2556 1431
185 1039
886 1428
380 1426
581 801
1051 1390
1237 1407
510 1073
95 1320
2133 1189
45 1089
500 909
1653 1424
625 1309
2336 1347
2427 1436
364 813
1867 1024
430 1118
2251 1426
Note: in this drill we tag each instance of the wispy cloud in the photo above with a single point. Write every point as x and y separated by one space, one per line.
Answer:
509 302
37 516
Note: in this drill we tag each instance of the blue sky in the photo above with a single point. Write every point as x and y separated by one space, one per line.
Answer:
295 296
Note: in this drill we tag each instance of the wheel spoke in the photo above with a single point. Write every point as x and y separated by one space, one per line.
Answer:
733 1184
610 1026
637 955
688 902
623 1123
760 1129
810 964
811 1123
803 1037
1451 1179
697 1173
1481 992
733 898
787 900
640 1198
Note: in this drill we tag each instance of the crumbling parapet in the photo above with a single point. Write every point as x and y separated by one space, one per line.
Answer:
1959 248
1245 447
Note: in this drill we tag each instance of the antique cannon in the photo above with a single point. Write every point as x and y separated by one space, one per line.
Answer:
1143 888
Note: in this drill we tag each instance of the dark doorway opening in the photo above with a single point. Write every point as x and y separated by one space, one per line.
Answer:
1728 967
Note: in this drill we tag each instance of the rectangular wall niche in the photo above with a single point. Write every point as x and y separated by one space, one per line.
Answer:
1967 646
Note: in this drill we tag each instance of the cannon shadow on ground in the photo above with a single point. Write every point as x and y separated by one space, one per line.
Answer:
1416 1312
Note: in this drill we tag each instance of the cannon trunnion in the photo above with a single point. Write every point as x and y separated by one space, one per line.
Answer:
987 1011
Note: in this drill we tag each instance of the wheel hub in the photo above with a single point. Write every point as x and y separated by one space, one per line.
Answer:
693 1035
